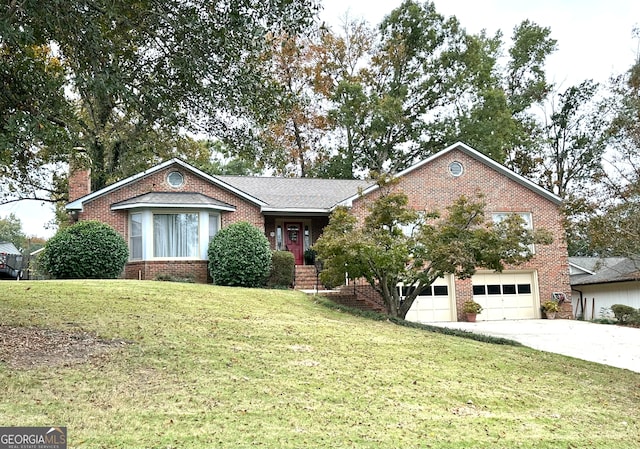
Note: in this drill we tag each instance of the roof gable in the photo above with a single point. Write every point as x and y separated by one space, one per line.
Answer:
479 157
78 204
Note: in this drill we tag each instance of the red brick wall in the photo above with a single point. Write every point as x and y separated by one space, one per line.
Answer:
79 183
432 187
99 208
151 269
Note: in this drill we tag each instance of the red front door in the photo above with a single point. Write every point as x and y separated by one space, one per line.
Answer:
294 240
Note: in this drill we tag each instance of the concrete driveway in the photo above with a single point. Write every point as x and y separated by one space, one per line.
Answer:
601 343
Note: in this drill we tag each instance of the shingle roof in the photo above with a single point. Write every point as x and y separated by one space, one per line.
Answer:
605 270
9 248
297 193
172 199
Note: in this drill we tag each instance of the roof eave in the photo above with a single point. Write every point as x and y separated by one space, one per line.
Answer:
294 210
600 282
172 206
571 264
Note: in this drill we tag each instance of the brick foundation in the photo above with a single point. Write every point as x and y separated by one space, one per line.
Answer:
150 270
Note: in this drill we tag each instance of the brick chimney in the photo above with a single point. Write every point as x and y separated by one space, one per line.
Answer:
79 175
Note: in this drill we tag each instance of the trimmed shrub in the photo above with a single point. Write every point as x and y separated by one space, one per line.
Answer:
239 255
623 313
282 266
86 250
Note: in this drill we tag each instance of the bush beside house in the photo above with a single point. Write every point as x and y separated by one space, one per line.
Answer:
239 255
86 250
626 315
282 270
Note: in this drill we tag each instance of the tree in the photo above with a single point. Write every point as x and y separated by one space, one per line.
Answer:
569 157
11 231
410 81
363 100
493 105
397 244
139 74
614 229
217 159
294 139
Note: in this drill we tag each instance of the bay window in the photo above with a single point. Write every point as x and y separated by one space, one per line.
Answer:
175 235
171 233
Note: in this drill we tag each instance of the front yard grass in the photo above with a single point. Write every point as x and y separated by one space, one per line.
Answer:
198 366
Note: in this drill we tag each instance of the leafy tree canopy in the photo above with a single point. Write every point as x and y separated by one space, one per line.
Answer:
125 79
11 231
364 99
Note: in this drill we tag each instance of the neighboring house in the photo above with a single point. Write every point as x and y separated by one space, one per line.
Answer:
169 212
10 261
603 282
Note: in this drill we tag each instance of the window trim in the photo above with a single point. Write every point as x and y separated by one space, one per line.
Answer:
171 184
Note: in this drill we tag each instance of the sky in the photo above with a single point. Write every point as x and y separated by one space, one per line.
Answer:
595 41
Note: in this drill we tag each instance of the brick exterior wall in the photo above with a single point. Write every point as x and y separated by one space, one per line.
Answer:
99 208
431 187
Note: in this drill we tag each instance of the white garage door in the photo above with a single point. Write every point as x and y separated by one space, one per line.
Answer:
433 304
506 296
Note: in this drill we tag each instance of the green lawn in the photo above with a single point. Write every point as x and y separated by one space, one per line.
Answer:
208 367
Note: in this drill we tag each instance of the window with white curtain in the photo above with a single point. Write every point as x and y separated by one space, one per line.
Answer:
135 237
175 235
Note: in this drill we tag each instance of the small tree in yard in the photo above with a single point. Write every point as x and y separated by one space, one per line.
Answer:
239 255
86 250
398 244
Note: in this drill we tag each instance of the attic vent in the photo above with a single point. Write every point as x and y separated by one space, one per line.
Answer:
456 168
175 179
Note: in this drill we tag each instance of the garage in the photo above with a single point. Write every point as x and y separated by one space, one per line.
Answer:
433 304
507 295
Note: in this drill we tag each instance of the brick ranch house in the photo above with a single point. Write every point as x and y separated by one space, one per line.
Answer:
169 212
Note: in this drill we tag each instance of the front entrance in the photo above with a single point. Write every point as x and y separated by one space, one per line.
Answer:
294 241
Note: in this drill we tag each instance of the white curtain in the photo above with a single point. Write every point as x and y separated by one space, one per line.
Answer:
175 235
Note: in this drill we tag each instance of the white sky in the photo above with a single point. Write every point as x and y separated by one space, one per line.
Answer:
594 42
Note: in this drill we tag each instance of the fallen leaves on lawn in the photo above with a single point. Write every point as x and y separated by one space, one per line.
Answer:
32 347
